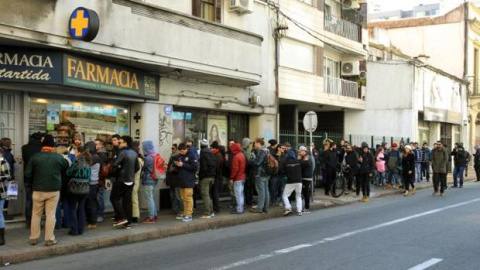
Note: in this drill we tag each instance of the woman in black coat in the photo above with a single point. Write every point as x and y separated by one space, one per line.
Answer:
408 169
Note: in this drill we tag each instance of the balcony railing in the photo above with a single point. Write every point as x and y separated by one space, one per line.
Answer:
340 87
342 28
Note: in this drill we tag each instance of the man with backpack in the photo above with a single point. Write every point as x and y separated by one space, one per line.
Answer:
394 162
258 161
207 173
460 159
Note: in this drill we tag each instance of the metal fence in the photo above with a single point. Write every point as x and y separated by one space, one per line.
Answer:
342 27
303 138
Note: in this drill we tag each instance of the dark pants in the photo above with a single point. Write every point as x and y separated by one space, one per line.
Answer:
215 190
92 205
331 174
408 180
363 182
121 199
248 190
426 170
62 221
275 187
350 177
28 203
77 212
439 179
477 171
306 192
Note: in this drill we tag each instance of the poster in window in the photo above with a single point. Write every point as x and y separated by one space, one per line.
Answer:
37 117
53 114
217 129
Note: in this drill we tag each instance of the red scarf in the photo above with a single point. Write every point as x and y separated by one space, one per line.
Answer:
215 151
48 149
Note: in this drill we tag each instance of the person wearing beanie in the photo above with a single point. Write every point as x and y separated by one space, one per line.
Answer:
249 185
367 165
273 145
206 175
33 146
149 184
393 160
46 185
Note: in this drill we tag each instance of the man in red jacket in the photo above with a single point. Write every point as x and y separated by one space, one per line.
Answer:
237 176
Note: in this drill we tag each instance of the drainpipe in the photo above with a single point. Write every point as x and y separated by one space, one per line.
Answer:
465 62
277 64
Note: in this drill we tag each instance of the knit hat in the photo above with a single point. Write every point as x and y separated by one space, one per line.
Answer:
394 144
287 144
273 142
189 139
245 142
214 145
302 148
48 141
204 143
408 147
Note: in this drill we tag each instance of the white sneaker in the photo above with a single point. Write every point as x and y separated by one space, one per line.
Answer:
299 214
180 217
287 212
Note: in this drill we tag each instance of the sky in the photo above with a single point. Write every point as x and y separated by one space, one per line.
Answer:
386 5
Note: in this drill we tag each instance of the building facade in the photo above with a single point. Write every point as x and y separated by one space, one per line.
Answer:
155 70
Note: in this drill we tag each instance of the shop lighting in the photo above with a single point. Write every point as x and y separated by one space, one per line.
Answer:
125 111
41 100
77 104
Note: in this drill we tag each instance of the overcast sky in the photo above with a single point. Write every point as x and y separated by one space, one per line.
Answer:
386 5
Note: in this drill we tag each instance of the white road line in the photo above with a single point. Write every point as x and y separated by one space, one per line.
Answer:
426 264
341 236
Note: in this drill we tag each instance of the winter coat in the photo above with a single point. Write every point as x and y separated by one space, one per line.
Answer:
149 151
219 167
426 155
367 165
281 165
8 156
293 168
28 150
186 173
307 172
208 164
351 159
418 154
476 159
461 158
172 171
96 163
440 160
259 161
408 164
239 163
46 180
331 161
393 154
126 165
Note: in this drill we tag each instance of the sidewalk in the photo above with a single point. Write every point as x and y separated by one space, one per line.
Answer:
18 249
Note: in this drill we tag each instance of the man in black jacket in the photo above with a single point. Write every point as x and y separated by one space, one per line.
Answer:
34 146
351 160
331 163
307 176
207 173
367 165
460 159
293 170
126 165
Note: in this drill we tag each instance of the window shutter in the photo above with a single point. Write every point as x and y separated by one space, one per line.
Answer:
197 8
319 70
218 11
321 5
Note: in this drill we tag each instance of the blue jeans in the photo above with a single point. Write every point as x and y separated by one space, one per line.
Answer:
276 190
152 207
239 196
418 171
380 178
394 177
62 205
77 212
458 172
261 184
177 203
2 218
101 202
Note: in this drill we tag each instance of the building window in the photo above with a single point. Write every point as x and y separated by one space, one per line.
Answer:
331 67
208 10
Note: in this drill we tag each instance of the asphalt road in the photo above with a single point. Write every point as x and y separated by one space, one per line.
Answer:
387 233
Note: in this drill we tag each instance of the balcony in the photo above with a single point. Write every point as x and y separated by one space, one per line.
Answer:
340 87
342 28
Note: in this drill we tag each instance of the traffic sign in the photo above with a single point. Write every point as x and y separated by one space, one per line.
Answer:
310 121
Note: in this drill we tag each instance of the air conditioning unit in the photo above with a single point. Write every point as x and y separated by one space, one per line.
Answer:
354 4
350 68
241 6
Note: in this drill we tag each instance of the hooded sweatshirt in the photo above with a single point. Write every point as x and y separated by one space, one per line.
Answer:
293 168
239 163
96 163
149 151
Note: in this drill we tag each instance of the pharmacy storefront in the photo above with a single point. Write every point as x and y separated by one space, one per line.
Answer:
62 94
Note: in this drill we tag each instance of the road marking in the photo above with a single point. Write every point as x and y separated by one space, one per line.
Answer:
426 264
341 236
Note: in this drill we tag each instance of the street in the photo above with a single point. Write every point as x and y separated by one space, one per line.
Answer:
392 232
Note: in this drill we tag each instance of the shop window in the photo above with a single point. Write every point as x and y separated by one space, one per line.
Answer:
62 119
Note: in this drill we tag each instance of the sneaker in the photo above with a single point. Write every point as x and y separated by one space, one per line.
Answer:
187 219
299 214
149 220
306 211
33 242
367 199
120 223
414 191
212 215
255 210
287 212
50 243
435 193
100 219
206 216
180 217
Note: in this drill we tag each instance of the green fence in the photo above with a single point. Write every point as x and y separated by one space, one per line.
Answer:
318 138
